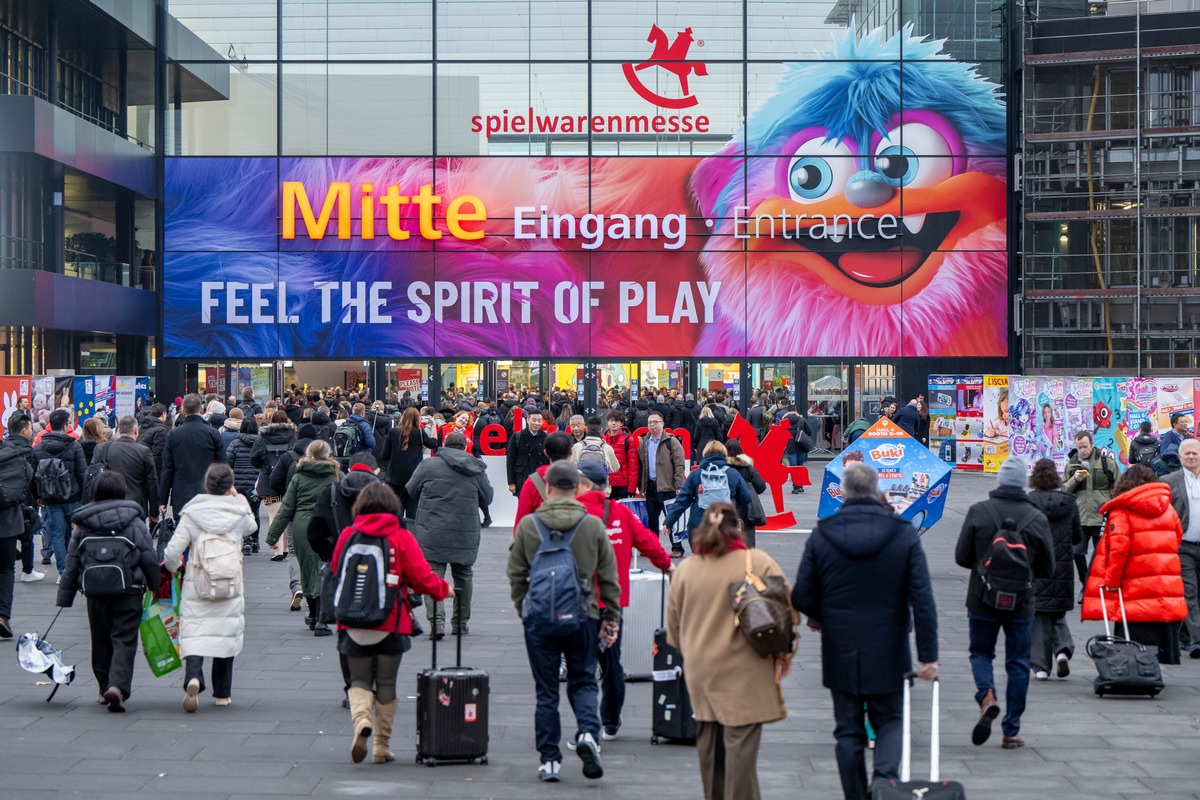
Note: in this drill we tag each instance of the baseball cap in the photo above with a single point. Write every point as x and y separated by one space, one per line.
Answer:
594 473
562 475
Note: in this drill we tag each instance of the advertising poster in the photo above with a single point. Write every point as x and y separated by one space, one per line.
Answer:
1108 416
576 257
1051 424
105 397
1141 405
1077 407
42 400
1175 396
943 400
125 396
995 421
968 422
409 380
1022 418
912 478
64 392
83 400
13 389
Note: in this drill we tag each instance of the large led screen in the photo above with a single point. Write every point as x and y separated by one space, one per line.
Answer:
860 211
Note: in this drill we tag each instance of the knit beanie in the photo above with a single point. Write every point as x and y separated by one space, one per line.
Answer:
1013 473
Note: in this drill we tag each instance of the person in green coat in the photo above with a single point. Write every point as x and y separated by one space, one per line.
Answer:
314 472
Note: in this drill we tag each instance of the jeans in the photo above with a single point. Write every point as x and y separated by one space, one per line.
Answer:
222 674
612 684
113 623
58 520
850 711
8 557
580 649
462 578
984 630
1189 569
1091 533
1051 636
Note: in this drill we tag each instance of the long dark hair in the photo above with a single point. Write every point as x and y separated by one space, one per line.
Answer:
720 526
410 419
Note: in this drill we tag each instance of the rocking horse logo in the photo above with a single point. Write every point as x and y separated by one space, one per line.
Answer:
673 58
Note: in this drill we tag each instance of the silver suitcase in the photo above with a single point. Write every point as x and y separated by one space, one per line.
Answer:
638 623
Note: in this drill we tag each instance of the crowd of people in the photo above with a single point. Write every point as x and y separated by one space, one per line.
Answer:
187 490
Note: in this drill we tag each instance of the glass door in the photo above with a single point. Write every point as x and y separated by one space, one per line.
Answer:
721 377
768 377
872 382
460 379
517 377
411 379
663 376
613 380
828 404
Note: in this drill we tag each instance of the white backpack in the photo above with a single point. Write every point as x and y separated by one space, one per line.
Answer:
216 566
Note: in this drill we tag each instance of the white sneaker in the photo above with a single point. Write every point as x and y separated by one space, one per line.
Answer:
1041 675
58 581
571 744
549 770
32 577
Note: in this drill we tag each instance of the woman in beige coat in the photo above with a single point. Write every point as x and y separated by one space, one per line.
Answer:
733 689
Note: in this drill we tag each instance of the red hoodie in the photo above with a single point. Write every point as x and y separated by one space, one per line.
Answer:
530 498
407 562
626 532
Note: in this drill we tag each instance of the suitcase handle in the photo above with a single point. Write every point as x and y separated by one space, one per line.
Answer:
1104 611
935 736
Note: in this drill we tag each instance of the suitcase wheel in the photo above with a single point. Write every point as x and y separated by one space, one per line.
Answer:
483 761
653 740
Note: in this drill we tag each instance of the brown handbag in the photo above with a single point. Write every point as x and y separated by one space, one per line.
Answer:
763 612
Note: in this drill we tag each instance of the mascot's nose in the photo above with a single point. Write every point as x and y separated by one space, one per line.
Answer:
867 189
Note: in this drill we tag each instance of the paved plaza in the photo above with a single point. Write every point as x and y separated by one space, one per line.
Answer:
287 735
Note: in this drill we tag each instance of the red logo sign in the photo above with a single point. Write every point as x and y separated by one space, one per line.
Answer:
671 57
768 458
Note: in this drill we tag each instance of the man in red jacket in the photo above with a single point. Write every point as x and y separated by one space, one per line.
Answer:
625 532
624 481
533 491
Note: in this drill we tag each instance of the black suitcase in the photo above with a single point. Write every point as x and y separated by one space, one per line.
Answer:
672 717
452 713
1123 667
906 788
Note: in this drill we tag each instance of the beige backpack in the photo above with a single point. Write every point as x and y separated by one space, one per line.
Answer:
216 566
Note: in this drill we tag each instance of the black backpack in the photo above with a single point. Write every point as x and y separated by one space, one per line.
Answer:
363 597
15 477
1006 567
274 453
106 565
1143 453
347 440
95 470
53 480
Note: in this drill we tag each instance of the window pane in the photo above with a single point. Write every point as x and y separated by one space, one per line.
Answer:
236 29
241 122
363 30
512 29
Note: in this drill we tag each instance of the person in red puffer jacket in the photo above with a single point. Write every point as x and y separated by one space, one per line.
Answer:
533 493
374 654
1138 554
624 481
625 532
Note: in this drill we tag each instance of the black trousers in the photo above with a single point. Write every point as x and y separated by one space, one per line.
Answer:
222 674
255 501
886 712
656 504
113 623
1091 533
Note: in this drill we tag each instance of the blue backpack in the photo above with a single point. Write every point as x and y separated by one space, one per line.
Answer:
557 601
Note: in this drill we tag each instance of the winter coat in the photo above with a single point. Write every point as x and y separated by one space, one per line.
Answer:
638 415
56 444
89 448
1169 443
152 432
530 498
401 464
134 462
381 425
668 466
593 442
754 481
450 489
285 470
978 531
127 520
210 628
688 498
625 532
229 432
191 448
12 518
407 563
245 474
1143 441
625 445
708 429
594 556
333 511
864 634
366 432
273 440
525 453
1095 491
908 418
1056 594
1138 552
302 493
797 422
728 680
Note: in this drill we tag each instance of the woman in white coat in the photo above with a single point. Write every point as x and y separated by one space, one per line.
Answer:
212 606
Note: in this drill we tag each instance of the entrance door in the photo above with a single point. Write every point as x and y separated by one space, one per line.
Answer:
462 378
517 377
767 376
663 376
828 409
872 382
614 379
721 376
409 377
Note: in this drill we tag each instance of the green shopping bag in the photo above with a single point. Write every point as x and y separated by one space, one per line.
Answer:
160 631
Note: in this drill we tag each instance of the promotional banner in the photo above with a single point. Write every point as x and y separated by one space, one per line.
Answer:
1108 417
1175 396
13 389
42 400
408 380
125 396
968 422
141 395
913 480
995 421
943 404
1077 407
1141 405
1051 426
844 218
64 392
1022 418
84 397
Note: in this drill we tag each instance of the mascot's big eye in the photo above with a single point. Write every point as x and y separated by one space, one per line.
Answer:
819 170
914 155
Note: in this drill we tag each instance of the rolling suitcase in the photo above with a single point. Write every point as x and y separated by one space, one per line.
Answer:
452 713
906 788
638 624
671 718
1124 667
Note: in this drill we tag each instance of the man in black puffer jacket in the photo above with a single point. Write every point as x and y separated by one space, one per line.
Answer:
1055 596
57 443
152 431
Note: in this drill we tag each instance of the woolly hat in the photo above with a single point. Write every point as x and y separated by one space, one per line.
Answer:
1013 473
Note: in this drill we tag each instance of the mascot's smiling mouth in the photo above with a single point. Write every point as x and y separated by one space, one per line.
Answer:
868 256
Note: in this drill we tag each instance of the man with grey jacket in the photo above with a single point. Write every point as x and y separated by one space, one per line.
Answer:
449 489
